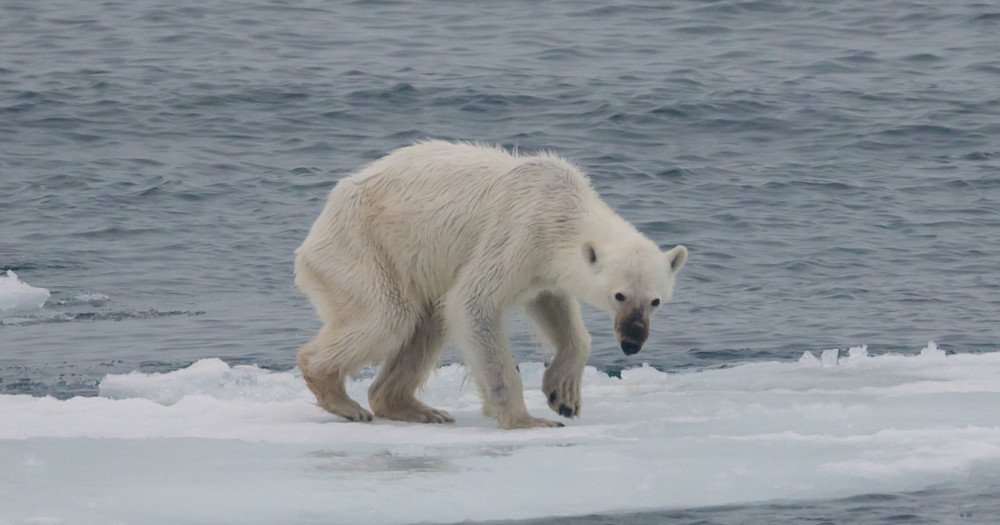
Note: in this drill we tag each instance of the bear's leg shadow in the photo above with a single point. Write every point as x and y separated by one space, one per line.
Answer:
338 352
393 394
558 315
480 333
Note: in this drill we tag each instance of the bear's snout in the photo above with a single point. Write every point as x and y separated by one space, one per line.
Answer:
630 348
632 330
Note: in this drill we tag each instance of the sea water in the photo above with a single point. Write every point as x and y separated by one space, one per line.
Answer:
834 169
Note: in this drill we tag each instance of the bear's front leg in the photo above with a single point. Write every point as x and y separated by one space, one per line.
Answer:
559 317
481 336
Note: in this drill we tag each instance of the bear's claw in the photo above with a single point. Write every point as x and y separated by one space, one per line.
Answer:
361 415
438 416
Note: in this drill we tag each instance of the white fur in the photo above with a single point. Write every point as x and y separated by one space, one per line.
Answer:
436 242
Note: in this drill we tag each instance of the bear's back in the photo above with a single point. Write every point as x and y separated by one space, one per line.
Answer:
430 208
446 187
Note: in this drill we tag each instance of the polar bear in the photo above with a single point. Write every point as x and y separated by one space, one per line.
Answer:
437 242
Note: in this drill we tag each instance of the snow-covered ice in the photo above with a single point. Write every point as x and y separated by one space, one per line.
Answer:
17 297
214 443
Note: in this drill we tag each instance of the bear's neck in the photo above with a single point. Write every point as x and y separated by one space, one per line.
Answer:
601 227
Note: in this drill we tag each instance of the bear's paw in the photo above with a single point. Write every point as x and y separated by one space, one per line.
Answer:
412 411
562 391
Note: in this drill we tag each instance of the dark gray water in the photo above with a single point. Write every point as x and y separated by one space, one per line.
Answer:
926 507
834 167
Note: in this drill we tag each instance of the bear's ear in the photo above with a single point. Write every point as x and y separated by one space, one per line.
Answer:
676 257
589 253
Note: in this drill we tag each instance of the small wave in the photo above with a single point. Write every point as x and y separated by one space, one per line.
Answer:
985 19
923 58
477 102
919 129
70 317
91 299
116 232
261 97
980 156
821 186
402 91
60 123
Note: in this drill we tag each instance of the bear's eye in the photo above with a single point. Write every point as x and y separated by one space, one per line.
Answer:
620 297
656 302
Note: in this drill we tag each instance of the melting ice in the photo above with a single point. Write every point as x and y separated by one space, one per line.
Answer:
215 443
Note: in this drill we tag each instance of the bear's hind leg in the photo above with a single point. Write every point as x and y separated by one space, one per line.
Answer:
335 354
393 394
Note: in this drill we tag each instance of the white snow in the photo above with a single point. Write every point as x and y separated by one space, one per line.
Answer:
214 443
16 297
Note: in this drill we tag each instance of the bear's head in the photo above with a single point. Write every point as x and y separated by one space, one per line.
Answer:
630 282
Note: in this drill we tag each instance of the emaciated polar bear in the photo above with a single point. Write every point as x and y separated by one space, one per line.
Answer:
436 242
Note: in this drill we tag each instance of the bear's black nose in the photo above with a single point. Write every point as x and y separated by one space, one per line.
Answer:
630 348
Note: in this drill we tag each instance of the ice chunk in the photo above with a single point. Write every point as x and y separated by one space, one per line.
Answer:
809 360
208 377
16 297
933 352
856 356
830 357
